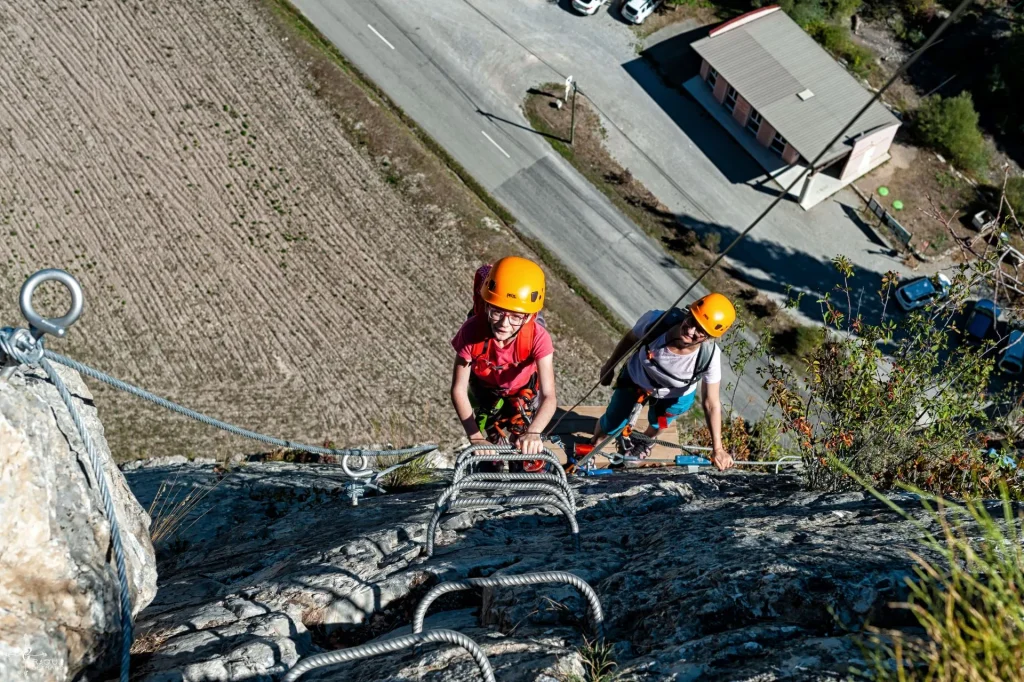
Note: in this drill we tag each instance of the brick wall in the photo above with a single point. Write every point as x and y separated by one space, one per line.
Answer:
720 87
790 155
766 133
704 68
742 110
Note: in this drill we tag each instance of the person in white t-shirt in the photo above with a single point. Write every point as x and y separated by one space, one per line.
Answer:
666 369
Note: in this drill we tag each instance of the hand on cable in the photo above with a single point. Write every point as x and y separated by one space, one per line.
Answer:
530 443
607 374
721 458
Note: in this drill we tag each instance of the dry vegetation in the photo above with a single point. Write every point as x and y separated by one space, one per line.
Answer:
258 234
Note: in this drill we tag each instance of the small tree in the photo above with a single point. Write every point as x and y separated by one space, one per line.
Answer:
951 126
892 402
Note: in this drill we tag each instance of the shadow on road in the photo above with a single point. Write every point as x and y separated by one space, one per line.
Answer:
499 119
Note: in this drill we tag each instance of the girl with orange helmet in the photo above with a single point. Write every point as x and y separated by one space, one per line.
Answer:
678 353
503 382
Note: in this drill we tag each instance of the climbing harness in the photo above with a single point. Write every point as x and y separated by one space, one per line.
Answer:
389 645
503 501
593 603
19 346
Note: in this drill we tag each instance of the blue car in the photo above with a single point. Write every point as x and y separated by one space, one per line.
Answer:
982 320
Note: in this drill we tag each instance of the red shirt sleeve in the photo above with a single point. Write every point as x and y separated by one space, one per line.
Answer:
542 345
461 343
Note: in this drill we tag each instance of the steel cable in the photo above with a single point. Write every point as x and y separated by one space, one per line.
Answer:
230 428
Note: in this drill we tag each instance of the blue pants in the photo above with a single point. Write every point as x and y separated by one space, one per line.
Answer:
623 399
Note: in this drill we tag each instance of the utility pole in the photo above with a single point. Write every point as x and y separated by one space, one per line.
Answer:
570 83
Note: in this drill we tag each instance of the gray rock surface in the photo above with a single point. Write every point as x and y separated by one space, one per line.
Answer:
711 576
59 612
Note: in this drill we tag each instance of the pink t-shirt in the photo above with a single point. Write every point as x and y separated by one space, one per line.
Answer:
509 379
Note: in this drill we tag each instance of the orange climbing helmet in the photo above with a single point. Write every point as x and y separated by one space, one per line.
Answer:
515 284
714 313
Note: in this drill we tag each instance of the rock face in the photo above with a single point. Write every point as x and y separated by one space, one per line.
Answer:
733 576
59 612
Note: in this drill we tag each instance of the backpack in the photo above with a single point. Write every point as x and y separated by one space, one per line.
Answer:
480 349
704 354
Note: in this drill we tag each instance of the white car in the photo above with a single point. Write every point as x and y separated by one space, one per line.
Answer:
638 10
587 7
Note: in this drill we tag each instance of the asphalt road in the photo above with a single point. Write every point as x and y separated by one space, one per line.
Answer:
436 60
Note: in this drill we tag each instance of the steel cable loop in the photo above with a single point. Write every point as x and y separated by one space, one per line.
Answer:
108 506
451 491
505 500
594 610
562 483
238 431
464 465
390 645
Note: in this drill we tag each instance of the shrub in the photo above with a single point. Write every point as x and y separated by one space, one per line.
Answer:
951 126
836 39
893 402
967 599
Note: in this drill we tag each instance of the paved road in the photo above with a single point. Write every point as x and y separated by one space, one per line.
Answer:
462 79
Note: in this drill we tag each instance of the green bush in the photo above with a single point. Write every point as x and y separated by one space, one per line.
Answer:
951 126
836 39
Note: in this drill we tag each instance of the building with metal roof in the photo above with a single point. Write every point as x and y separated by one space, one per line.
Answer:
786 93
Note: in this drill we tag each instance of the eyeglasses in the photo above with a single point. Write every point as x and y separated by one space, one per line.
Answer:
495 315
696 330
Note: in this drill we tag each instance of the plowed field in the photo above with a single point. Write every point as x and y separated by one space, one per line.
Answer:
238 253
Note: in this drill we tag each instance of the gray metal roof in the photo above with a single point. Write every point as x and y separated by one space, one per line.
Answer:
771 59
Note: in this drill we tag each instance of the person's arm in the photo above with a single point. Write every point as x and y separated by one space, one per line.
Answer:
460 400
713 415
608 369
530 443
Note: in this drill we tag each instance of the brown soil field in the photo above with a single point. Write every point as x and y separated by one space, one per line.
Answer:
258 236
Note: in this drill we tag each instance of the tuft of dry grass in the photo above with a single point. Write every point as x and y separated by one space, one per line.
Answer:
172 506
415 473
150 641
969 601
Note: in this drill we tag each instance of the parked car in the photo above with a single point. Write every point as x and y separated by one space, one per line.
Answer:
587 7
921 291
636 11
1012 359
982 320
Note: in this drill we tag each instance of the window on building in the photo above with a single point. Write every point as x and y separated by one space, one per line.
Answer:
730 98
754 122
778 144
712 78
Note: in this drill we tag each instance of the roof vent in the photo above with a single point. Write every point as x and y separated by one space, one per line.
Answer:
805 95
